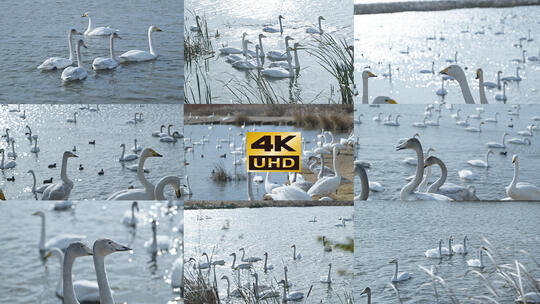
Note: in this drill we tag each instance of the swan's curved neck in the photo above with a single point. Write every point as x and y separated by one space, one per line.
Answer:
280 26
228 286
249 190
69 292
439 182
335 163
396 271
63 173
123 152
150 46
260 46
70 42
294 253
499 80
365 90
516 175
481 259
60 284
503 138
425 181
140 175
483 98
167 180
361 172
328 278
465 90
90 27
42 236
111 44
105 296
296 60
233 261
320 25
78 51
3 156
413 184
265 262
487 158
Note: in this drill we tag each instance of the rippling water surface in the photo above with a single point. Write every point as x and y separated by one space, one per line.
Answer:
379 40
452 144
405 230
133 276
108 127
36 30
222 232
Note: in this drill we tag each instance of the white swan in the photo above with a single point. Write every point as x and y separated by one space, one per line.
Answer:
197 26
59 63
293 296
158 242
473 129
521 191
107 63
75 73
74 120
502 97
288 193
457 72
519 141
250 259
34 189
467 175
285 65
70 292
513 78
139 56
137 194
61 241
464 123
98 31
247 64
279 55
477 263
327 279
392 123
442 91
232 50
435 252
420 124
279 72
461 248
328 184
296 256
399 276
128 157
527 133
62 189
312 30
434 123
491 85
497 145
479 162
432 71
101 249
269 29
85 291
266 265
239 266
174 181
365 76
8 165
494 119
130 218
452 191
407 192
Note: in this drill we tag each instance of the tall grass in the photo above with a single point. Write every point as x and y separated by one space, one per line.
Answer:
336 57
257 89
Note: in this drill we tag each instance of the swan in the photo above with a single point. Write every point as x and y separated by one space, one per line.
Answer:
467 175
328 184
61 241
254 54
420 124
293 296
367 291
491 85
435 252
139 56
365 76
312 30
85 291
456 115
407 192
72 292
401 276
530 298
128 157
231 50
465 122
473 129
495 119
452 191
266 265
101 249
247 64
197 27
136 148
202 266
527 133
480 77
477 263
433 123
285 65
288 193
269 29
250 259
457 72
239 266
279 55
519 141
160 132
60 190
432 71
136 194
12 154
107 63
59 63
35 148
461 249
130 219
378 117
479 162
74 120
98 31
157 242
361 173
174 181
502 97
513 78
442 91
295 255
521 60
496 145
280 72
392 123
521 191
534 58
327 279
34 189
75 73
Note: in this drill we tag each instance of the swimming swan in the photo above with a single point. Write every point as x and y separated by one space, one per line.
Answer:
59 63
157 242
61 241
452 191
435 252
311 30
128 157
62 189
521 191
75 73
139 56
107 63
328 184
130 219
399 276
496 145
269 29
479 162
477 263
98 31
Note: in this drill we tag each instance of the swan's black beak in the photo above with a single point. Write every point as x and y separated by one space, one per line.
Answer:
124 248
445 71
178 194
401 146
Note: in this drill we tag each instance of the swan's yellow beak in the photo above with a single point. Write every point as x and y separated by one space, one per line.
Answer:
84 15
2 197
155 154
371 74
48 255
35 213
514 159
477 74
445 71
158 29
178 194
391 101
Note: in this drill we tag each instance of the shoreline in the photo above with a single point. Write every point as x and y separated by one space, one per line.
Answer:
201 204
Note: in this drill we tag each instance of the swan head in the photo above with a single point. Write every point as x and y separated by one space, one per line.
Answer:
104 247
77 249
490 151
367 74
39 213
241 249
383 99
74 32
454 70
478 73
394 261
154 225
262 36
281 17
289 38
431 160
366 290
86 14
81 43
408 144
282 282
514 159
115 35
154 28
69 154
135 205
321 18
233 254
244 34
149 152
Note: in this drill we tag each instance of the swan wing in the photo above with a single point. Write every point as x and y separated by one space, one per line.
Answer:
57 192
86 291
102 63
420 196
132 194
276 73
137 56
74 73
269 29
457 193
55 63
524 191
325 186
102 31
229 50
432 253
63 241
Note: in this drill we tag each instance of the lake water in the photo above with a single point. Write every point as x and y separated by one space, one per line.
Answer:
379 42
107 127
203 159
405 230
30 38
133 276
262 230
232 18
452 144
